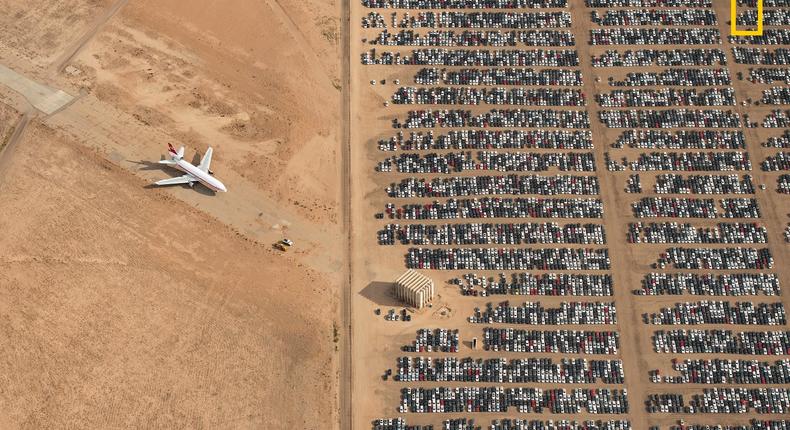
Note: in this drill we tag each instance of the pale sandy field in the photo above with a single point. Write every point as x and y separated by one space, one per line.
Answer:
127 306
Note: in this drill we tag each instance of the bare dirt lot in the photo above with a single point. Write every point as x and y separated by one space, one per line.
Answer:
38 31
117 317
129 306
186 71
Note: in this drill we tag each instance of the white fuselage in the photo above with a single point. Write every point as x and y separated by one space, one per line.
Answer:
204 177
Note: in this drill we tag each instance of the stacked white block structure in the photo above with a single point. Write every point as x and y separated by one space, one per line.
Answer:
415 289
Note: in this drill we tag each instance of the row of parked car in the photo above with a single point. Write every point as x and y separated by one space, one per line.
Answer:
667 97
522 400
707 284
456 162
465 4
722 342
762 424
670 118
737 258
654 17
508 259
526 424
661 57
783 184
438 95
529 284
472 57
557 341
670 183
681 139
690 161
490 233
534 313
436 340
761 56
719 312
654 36
673 207
769 75
766 3
496 207
721 371
475 19
520 424
673 232
537 370
545 185
776 96
648 3
770 36
524 118
499 76
740 208
723 401
782 141
777 118
779 161
473 38
678 77
488 139
770 17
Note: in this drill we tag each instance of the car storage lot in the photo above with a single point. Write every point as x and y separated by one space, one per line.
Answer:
377 342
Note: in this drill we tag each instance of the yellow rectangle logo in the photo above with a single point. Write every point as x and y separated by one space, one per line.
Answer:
734 20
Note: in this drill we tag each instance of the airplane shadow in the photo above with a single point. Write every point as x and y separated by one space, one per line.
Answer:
200 188
150 165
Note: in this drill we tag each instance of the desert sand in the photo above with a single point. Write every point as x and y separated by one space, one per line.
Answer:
131 306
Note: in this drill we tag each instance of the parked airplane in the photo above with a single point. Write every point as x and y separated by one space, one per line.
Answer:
199 173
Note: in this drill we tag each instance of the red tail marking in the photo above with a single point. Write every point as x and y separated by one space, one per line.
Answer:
170 148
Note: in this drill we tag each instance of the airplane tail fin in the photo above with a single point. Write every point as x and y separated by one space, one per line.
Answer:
175 154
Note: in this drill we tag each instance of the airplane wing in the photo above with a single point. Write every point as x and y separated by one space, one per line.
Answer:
186 179
205 163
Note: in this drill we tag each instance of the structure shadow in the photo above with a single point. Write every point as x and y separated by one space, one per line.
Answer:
382 294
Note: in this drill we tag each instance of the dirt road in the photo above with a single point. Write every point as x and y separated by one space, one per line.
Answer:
346 372
8 150
73 50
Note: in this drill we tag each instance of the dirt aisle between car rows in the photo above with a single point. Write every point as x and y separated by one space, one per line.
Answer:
633 334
